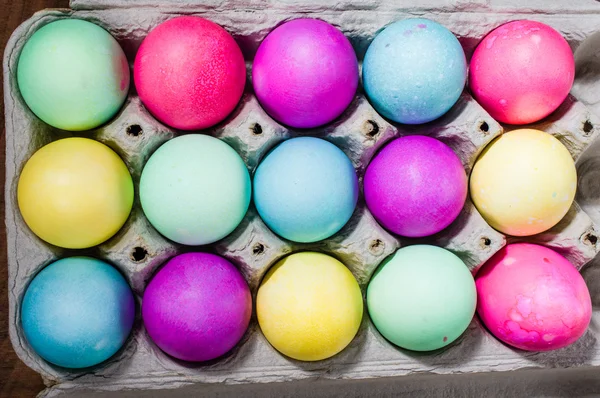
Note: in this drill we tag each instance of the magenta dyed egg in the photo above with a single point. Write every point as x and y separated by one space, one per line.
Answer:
521 72
189 73
415 186
532 298
305 73
197 307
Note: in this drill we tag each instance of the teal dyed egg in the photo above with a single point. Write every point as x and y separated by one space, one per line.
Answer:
73 75
195 189
77 312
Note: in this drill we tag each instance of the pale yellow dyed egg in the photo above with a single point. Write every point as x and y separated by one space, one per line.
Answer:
524 182
309 306
75 193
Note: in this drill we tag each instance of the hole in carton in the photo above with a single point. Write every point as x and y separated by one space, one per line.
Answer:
138 254
370 128
485 242
376 246
258 249
587 127
135 130
256 129
484 127
590 239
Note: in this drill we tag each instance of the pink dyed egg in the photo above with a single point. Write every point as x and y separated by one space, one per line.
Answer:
189 73
521 72
305 73
532 298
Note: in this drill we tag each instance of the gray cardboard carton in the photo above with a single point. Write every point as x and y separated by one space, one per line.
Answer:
369 365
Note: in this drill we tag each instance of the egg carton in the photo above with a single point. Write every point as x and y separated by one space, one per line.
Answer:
138 250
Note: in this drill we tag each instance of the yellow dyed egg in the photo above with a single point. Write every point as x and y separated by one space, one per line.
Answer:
75 193
524 182
309 306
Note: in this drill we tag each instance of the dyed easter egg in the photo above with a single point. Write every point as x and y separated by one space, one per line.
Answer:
197 307
532 298
305 73
414 71
75 193
189 73
309 306
422 298
415 186
77 312
73 75
306 189
195 189
524 182
521 72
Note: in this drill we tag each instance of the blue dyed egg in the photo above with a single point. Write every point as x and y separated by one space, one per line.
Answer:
414 71
77 312
306 189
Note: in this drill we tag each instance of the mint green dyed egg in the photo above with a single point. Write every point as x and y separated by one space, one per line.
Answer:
422 298
195 189
73 75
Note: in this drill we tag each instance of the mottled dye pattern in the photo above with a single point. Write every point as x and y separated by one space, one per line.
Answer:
416 186
521 72
305 73
190 73
414 71
197 307
73 75
77 312
532 298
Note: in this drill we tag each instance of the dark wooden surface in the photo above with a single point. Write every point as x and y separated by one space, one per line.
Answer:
16 379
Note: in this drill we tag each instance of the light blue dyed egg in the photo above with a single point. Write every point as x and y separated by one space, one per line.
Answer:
414 71
306 189
77 312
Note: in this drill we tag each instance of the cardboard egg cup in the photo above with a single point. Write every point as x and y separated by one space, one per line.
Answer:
138 250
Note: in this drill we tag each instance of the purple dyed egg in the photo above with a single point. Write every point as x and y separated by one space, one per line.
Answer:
197 307
415 186
305 73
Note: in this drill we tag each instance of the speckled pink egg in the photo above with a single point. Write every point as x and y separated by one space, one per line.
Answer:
415 186
189 73
197 307
521 72
532 298
305 73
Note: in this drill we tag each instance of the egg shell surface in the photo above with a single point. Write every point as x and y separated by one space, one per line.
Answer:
73 74
532 298
306 189
77 312
197 307
75 193
189 73
414 71
422 298
524 182
305 73
195 189
309 306
521 72
415 186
